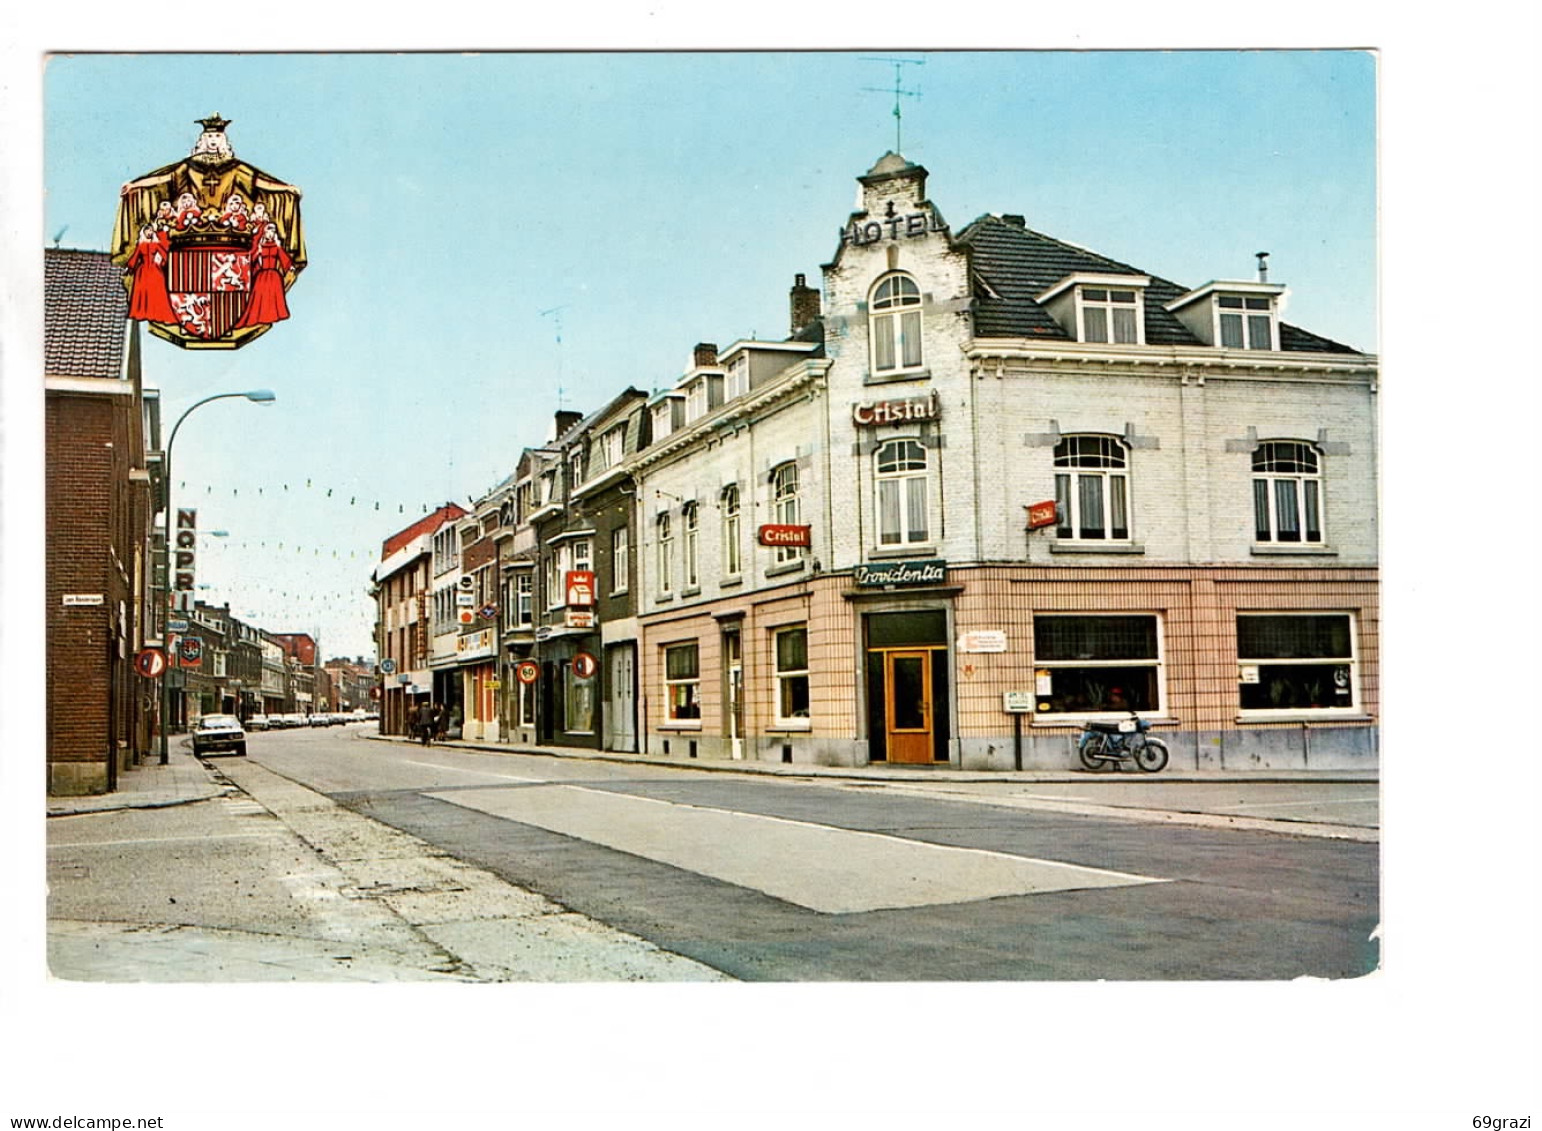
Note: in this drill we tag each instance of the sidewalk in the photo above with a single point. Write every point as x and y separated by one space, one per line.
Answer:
912 774
151 785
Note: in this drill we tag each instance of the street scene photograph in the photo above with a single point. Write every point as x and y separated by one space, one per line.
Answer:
632 557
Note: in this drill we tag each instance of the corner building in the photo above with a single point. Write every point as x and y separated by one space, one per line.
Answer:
993 462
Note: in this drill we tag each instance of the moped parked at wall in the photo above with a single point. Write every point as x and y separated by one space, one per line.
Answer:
1108 744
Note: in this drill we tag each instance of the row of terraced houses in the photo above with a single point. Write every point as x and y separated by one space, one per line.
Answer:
988 486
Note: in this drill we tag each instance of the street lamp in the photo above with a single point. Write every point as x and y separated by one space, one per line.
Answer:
260 396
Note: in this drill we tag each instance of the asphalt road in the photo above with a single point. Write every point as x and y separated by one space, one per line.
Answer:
796 880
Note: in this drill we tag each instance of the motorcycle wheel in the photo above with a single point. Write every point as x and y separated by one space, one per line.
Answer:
1090 752
1152 755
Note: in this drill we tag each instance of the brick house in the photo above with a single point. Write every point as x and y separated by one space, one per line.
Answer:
836 559
99 426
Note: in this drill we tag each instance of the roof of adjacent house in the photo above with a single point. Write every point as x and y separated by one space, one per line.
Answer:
85 311
1012 263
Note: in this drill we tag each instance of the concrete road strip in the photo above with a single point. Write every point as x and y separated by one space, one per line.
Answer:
161 840
835 871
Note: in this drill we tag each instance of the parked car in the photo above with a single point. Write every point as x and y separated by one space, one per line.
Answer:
257 722
216 733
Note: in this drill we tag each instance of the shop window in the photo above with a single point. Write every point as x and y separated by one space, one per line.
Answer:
901 469
682 683
578 702
1296 661
786 507
894 324
792 698
527 704
1287 492
729 508
1087 665
1092 488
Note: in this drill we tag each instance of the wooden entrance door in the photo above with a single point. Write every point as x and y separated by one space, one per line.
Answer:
908 705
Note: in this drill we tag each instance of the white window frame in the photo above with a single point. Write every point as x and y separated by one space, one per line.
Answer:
696 400
737 382
554 594
783 677
1106 300
895 326
664 537
786 508
733 560
620 559
1307 487
524 599
1158 664
1254 309
690 521
692 683
900 490
612 447
1351 661
1113 490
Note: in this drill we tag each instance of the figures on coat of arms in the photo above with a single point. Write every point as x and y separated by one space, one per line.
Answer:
209 245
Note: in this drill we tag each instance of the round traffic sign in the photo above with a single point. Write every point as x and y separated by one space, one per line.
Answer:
585 665
527 671
150 662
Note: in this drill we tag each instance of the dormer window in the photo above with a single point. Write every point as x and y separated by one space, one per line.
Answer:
1104 308
1110 315
695 400
1246 322
1232 315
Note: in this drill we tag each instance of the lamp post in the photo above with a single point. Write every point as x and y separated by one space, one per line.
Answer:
260 396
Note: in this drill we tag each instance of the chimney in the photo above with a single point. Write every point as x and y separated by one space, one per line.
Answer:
804 301
704 356
1263 265
1013 220
566 418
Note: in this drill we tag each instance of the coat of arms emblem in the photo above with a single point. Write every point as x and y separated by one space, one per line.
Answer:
209 246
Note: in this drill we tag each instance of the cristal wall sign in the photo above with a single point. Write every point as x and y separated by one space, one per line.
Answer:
209 246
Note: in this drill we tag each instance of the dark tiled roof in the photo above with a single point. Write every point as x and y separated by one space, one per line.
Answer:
1012 263
84 310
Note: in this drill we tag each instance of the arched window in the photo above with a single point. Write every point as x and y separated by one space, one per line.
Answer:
902 493
1287 492
894 324
729 504
1091 488
785 507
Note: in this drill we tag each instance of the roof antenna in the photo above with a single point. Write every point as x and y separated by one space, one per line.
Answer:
555 313
897 91
1263 265
59 235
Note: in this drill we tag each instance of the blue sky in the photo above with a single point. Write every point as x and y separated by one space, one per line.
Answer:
492 236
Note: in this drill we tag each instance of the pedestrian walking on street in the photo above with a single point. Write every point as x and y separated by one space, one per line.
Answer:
441 721
426 720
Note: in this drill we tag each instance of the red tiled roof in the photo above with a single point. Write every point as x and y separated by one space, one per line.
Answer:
85 308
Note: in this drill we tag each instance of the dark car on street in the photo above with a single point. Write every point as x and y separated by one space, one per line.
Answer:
216 734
